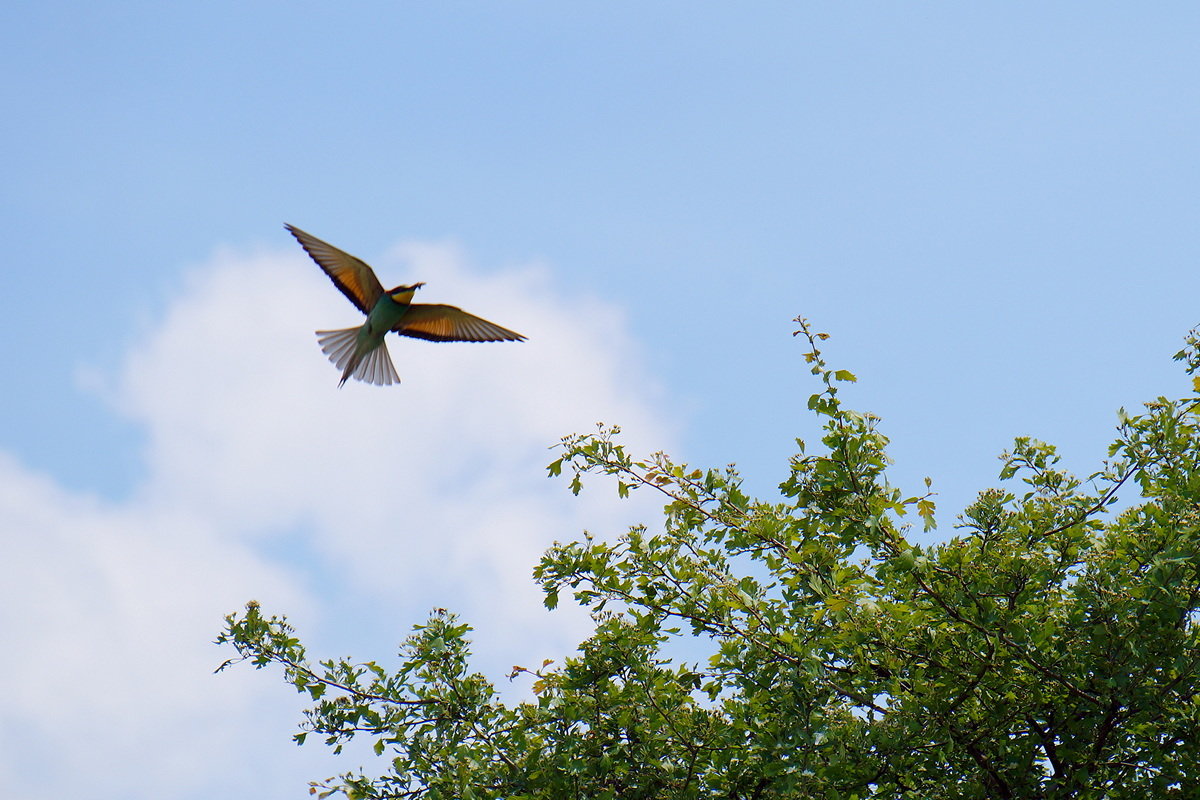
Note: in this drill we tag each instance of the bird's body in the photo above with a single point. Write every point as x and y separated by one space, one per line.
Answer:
361 352
348 347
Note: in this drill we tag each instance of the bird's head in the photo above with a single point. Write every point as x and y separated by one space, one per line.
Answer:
403 294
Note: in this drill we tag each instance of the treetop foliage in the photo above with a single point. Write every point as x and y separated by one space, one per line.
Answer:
1049 649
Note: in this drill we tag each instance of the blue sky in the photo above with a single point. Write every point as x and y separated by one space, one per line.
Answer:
990 206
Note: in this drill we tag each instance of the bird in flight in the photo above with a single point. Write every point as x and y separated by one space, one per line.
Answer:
361 352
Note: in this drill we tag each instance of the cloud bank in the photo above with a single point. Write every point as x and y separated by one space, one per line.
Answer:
354 511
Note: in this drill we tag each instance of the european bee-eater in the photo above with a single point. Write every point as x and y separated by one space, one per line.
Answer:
361 352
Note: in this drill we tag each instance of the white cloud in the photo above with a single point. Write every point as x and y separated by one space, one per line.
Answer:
266 481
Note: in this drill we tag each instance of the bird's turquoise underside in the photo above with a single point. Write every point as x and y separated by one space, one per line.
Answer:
386 313
382 319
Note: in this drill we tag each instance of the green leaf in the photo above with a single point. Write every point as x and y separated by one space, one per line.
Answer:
839 657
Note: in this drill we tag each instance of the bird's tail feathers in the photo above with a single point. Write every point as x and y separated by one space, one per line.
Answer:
374 366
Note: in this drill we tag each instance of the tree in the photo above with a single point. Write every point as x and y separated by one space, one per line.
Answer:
1050 650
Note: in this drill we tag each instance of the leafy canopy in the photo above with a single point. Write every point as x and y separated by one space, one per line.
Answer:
1049 650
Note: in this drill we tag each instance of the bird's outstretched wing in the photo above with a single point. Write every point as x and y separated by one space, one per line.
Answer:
439 323
352 275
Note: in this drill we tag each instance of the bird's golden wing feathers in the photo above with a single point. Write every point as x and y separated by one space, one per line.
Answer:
439 323
352 275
